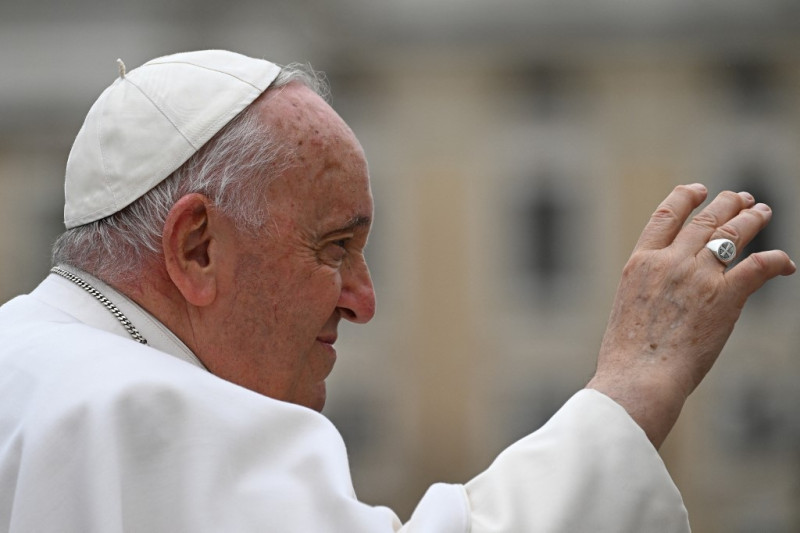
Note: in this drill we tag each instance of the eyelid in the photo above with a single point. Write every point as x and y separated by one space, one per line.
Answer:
340 237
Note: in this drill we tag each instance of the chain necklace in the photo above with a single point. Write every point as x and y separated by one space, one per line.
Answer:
108 304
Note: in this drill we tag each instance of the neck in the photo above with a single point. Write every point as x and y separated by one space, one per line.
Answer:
161 298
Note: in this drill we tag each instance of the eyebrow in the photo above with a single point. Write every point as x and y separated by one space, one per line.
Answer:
358 221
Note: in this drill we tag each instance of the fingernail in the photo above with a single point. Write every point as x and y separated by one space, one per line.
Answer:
762 207
747 196
698 187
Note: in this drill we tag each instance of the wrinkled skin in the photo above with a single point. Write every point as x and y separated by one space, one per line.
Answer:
263 310
676 304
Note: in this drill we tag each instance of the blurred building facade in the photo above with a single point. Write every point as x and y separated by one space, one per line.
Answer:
516 149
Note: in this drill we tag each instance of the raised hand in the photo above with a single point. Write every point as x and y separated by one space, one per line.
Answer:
677 303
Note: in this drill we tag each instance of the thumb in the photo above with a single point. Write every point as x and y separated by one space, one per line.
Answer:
758 268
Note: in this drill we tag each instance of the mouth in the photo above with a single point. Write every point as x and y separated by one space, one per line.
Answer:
329 358
327 342
329 339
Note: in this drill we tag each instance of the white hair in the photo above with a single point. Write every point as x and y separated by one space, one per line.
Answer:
233 170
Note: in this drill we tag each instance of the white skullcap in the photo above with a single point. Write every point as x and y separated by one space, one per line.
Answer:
150 121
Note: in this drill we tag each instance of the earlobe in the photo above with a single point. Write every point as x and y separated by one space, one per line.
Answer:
187 242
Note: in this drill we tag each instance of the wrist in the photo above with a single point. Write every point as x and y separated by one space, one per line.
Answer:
653 402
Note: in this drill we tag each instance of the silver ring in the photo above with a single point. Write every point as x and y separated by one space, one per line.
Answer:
723 249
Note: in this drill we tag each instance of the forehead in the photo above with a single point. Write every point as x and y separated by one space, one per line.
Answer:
301 115
327 174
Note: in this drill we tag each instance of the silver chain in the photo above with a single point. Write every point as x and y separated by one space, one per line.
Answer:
108 304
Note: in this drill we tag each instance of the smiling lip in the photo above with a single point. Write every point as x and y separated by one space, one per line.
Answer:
330 352
327 339
327 342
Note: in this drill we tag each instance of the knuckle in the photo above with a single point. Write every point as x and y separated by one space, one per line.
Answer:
706 219
636 262
761 217
759 262
666 214
652 265
730 196
727 231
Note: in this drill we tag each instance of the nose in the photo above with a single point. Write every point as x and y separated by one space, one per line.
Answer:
357 299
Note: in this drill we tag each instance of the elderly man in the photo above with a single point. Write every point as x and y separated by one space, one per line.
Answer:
167 376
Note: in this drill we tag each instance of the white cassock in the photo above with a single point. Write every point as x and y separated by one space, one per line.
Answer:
101 434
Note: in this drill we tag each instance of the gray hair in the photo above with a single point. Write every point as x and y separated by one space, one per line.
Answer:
233 170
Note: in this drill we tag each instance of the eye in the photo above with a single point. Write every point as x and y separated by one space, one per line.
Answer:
336 250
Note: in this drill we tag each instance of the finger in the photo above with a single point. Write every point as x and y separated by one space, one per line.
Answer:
742 228
758 268
699 230
668 219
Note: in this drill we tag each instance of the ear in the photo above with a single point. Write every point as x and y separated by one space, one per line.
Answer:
189 244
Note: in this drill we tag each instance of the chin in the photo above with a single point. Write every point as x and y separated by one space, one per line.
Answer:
316 400
316 405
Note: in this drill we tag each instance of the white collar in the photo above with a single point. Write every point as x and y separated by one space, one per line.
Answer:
87 309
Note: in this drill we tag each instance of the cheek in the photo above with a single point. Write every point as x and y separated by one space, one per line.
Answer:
301 311
313 304
286 303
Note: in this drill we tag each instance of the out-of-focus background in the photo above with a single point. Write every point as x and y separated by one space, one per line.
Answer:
517 147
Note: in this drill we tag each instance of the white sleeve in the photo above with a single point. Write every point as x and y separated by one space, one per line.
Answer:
590 468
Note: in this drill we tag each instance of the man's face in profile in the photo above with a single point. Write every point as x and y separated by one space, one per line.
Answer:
291 284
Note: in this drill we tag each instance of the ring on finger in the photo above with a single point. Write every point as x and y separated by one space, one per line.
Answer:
723 249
